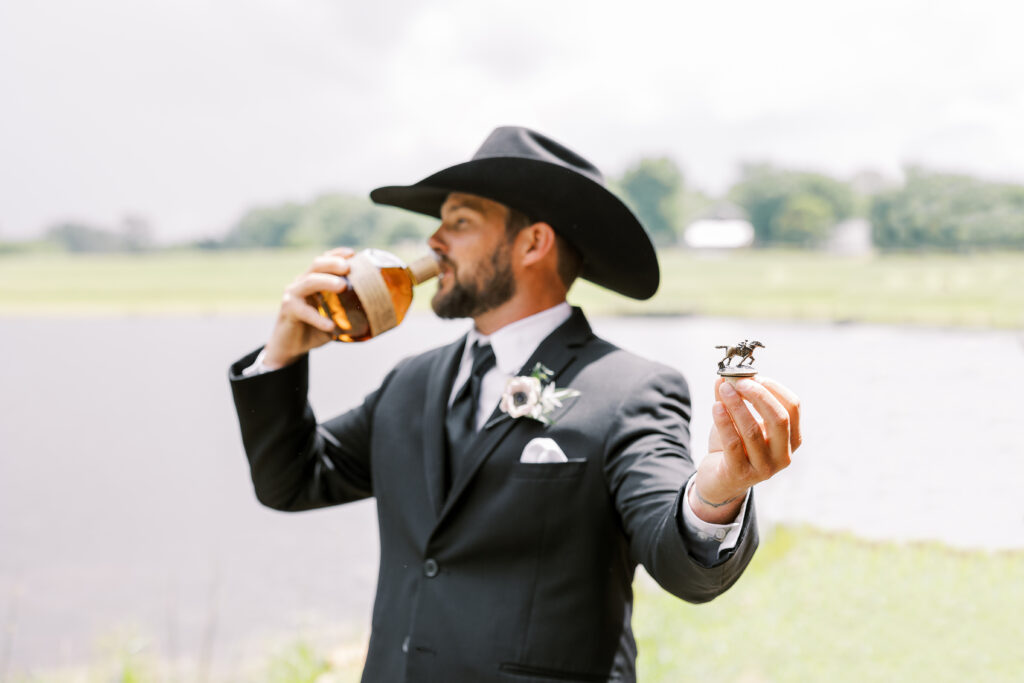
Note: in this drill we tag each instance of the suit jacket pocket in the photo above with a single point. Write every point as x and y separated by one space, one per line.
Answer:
570 469
522 672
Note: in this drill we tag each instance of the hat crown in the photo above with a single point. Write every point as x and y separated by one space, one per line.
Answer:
516 141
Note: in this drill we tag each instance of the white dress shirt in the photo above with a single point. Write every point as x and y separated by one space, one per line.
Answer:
513 345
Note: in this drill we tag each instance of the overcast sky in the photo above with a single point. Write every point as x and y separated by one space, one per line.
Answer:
186 112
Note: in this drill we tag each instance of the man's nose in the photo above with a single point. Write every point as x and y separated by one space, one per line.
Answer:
435 242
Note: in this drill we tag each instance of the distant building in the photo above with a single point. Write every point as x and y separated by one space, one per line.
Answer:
851 237
725 227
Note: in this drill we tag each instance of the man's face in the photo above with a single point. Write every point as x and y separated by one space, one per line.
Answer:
476 268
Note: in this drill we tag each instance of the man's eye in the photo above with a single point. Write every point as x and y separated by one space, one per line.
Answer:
458 223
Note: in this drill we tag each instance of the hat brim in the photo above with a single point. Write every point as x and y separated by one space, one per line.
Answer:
617 253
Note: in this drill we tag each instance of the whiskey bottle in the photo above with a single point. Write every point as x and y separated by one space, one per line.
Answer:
378 294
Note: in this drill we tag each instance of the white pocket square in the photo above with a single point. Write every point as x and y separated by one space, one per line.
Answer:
542 450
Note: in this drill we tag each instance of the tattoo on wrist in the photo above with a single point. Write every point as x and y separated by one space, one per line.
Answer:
708 502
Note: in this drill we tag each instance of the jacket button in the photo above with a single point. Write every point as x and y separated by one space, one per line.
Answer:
430 568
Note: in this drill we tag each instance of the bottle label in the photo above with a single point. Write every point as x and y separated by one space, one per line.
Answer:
367 282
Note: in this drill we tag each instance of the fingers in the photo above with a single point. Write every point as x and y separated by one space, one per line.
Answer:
297 302
775 419
311 283
300 327
311 316
765 440
725 438
754 443
792 404
718 395
334 264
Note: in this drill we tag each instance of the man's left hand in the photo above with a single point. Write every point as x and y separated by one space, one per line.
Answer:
748 444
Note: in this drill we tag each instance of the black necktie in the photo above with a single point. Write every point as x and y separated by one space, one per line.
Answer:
460 423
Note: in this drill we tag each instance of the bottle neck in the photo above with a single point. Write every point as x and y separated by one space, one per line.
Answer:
424 268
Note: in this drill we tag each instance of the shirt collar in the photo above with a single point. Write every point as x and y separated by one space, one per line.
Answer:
514 343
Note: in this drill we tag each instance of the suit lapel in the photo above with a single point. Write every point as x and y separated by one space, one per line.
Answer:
434 447
556 352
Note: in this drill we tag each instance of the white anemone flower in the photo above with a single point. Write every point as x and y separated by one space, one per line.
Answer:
522 397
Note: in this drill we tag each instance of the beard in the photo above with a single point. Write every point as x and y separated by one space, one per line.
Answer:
487 291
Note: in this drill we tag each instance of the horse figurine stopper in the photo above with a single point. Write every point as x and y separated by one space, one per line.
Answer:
745 352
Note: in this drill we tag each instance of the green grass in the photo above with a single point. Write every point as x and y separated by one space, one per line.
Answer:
812 606
965 290
968 290
127 658
159 282
821 607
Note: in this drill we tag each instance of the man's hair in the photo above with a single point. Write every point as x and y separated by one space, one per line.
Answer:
570 261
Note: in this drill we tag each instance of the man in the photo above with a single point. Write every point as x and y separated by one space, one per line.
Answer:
510 533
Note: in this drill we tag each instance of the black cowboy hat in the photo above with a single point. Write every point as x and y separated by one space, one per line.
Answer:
546 181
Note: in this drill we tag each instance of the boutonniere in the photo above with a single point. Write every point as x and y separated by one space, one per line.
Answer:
534 396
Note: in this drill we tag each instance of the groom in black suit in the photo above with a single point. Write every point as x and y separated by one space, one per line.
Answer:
522 472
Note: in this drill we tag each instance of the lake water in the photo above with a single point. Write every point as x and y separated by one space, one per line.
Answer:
125 503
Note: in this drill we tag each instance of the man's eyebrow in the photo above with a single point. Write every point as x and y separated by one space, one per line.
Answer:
470 204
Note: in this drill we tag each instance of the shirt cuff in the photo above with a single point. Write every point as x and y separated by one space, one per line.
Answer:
257 367
725 534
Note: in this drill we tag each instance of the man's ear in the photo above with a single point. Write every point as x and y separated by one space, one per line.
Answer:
535 243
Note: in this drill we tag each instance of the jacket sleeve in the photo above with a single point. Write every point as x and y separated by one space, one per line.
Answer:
647 466
296 464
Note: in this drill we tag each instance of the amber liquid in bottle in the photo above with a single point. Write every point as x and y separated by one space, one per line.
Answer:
378 296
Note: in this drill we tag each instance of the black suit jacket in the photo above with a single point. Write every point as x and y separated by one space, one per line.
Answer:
523 571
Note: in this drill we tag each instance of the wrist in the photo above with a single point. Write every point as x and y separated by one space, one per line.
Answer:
714 490
713 506
270 359
705 501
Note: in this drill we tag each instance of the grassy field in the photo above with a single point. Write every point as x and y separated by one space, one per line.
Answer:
822 607
811 607
969 290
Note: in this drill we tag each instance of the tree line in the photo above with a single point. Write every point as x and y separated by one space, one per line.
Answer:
929 210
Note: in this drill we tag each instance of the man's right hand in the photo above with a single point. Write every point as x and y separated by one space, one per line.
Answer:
299 326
